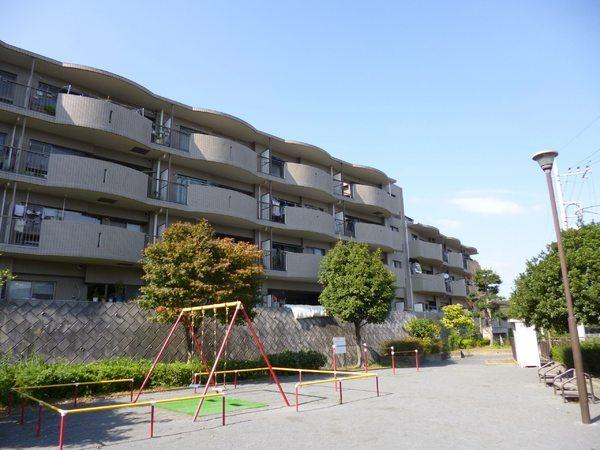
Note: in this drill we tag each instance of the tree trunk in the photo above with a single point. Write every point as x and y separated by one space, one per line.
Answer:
357 327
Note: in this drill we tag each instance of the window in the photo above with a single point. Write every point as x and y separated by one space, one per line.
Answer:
26 290
277 246
7 87
315 251
396 229
111 292
397 264
277 167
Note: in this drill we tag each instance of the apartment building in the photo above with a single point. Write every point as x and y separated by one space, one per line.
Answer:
94 167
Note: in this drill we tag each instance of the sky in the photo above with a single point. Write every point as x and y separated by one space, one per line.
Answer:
450 98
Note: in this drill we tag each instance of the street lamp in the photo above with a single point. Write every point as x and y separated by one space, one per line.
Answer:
545 159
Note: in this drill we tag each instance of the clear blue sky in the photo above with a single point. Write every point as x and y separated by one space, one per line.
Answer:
450 98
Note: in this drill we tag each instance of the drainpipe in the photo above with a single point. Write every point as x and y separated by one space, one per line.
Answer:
10 209
3 204
155 227
21 146
409 286
158 190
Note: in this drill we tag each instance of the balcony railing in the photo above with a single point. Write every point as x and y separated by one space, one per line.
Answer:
275 260
345 227
271 212
167 191
35 99
270 166
171 138
25 162
20 231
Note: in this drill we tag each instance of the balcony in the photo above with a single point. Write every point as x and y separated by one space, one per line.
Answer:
456 260
171 138
103 115
312 221
426 283
167 191
374 196
216 201
221 150
308 176
289 265
458 288
89 241
377 235
21 96
425 250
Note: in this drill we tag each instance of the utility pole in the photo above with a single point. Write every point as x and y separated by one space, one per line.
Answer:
563 204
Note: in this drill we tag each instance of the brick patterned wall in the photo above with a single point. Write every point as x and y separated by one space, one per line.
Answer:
80 331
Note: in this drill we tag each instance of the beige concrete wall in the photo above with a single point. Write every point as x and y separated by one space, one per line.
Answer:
428 283
213 148
308 176
426 250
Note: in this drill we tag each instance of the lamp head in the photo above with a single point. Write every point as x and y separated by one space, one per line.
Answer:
545 158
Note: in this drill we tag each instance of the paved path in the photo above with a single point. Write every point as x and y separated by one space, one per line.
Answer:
460 404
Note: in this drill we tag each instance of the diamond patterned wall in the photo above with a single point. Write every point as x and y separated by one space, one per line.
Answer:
78 331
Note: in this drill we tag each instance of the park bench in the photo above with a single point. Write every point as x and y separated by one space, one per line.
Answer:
566 385
549 371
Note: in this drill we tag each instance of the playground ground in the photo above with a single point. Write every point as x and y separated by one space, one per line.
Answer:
477 402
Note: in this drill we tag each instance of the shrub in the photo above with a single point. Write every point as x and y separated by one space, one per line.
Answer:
425 346
590 350
35 372
423 328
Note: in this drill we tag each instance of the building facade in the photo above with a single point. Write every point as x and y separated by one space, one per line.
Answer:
94 167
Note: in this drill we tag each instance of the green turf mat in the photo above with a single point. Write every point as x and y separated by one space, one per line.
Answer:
211 405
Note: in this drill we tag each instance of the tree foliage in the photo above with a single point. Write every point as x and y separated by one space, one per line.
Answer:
538 297
486 302
423 328
189 266
457 319
357 287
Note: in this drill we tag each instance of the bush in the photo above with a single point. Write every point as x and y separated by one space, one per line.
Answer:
423 328
425 346
457 342
590 350
35 372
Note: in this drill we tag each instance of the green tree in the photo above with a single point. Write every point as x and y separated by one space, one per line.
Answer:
486 302
423 328
457 319
189 266
357 287
538 297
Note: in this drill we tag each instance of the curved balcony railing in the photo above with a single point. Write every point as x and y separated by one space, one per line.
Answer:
434 284
171 138
300 266
22 96
456 260
307 176
221 150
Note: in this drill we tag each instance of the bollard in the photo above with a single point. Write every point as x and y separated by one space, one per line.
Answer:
76 394
223 409
366 357
235 380
417 358
377 385
393 360
22 419
61 429
38 427
152 420
340 392
296 397
131 393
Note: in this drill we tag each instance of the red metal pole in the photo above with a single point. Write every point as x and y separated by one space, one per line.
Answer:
393 361
61 431
340 391
157 359
22 419
75 397
377 384
215 362
296 397
366 357
261 349
223 407
417 358
38 427
151 421
198 346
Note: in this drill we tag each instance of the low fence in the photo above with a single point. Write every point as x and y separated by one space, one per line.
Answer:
81 331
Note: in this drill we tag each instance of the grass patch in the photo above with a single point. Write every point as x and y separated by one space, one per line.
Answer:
211 405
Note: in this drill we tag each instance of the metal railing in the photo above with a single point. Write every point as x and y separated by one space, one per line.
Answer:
270 166
168 191
150 239
20 230
345 227
271 212
170 137
275 260
25 162
35 99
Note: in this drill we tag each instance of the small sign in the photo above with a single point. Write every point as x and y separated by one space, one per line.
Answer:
340 345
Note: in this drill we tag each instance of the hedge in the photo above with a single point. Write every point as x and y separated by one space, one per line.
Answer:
35 372
590 350
425 346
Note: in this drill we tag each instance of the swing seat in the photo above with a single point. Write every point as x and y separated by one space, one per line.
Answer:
195 386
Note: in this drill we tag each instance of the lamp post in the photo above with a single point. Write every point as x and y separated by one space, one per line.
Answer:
545 159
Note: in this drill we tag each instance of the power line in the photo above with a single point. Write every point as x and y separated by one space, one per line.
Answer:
583 130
